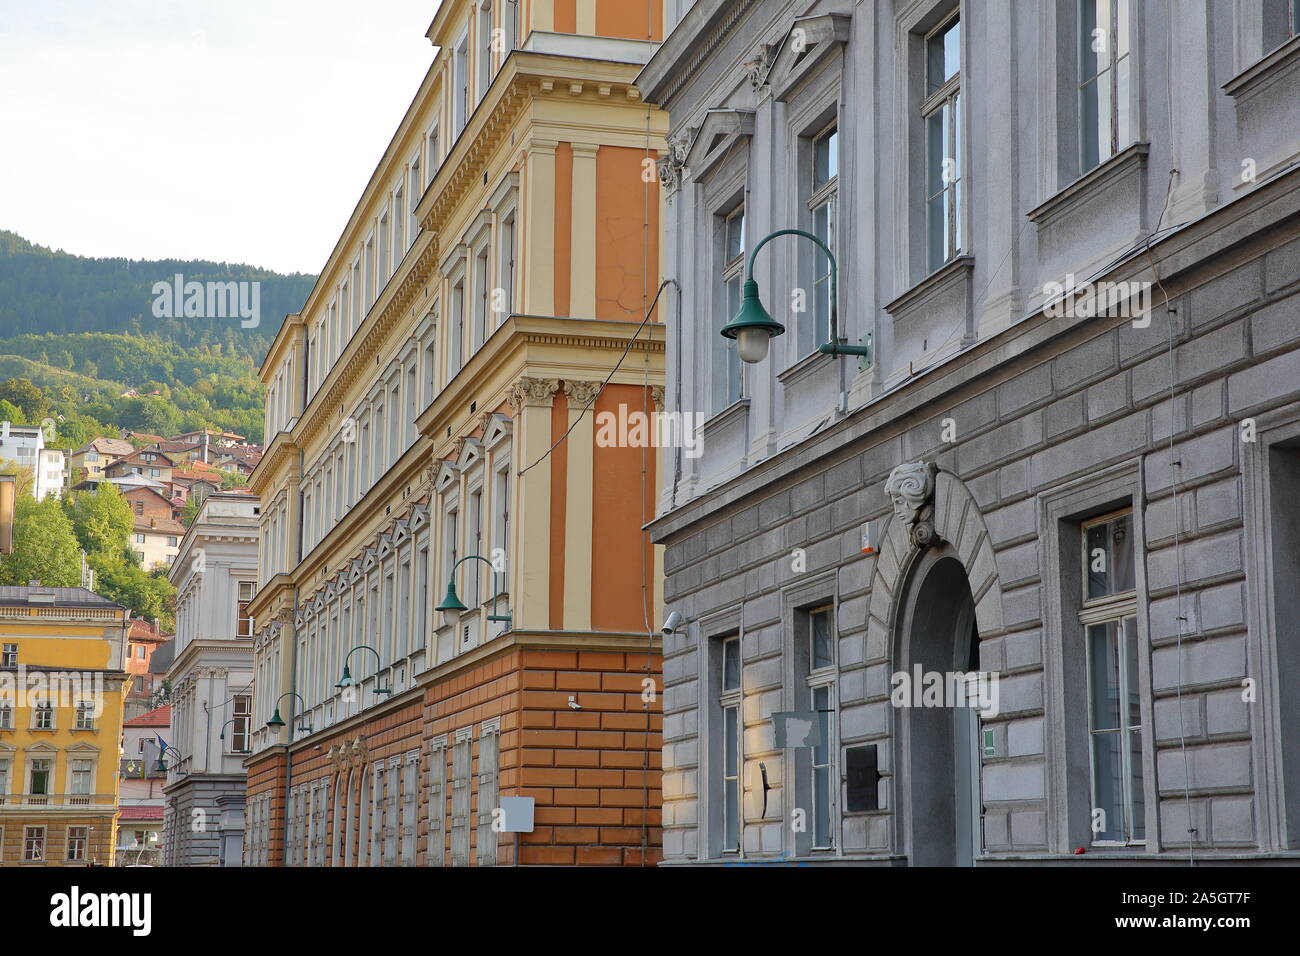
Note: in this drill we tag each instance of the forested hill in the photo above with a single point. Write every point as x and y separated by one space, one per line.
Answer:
44 291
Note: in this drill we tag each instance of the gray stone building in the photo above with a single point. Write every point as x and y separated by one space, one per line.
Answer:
211 678
1064 479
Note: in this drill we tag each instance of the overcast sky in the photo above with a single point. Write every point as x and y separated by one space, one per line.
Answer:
232 130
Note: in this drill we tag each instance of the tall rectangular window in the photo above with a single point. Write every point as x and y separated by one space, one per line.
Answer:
1109 617
4 781
729 702
403 607
941 113
501 517
86 714
821 206
460 86
421 637
83 778
482 298
484 52
34 844
504 306
9 656
44 716
726 363
78 837
1104 77
456 328
38 783
474 544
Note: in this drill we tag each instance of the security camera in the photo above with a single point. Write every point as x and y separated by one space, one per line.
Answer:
672 622
573 702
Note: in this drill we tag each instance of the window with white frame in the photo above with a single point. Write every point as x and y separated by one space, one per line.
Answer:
4 779
729 702
484 52
726 358
384 267
420 639
501 512
1109 619
82 784
456 327
941 112
823 184
85 715
482 304
474 545
6 717
413 186
504 305
39 778
245 623
9 655
368 259
33 844
1105 71
460 85
78 839
815 632
434 141
400 221
43 716
241 725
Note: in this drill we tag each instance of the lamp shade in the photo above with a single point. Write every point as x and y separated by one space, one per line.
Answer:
346 679
752 326
275 720
451 602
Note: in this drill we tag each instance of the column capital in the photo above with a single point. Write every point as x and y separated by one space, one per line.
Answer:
532 392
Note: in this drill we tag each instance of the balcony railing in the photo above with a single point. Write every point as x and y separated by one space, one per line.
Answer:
59 800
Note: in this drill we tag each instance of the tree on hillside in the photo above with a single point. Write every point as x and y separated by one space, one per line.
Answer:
30 398
9 412
25 478
101 519
125 582
45 548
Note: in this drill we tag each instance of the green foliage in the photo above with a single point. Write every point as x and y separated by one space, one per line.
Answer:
122 580
45 547
26 396
41 288
101 519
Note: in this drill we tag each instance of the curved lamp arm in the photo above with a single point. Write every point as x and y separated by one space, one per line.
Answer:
833 347
452 603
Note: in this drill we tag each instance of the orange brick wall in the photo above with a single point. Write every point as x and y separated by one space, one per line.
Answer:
594 772
267 773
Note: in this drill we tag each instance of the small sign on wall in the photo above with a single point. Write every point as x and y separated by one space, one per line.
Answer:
517 814
796 729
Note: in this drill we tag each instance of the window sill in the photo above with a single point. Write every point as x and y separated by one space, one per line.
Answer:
804 368
950 274
1258 76
1096 180
737 409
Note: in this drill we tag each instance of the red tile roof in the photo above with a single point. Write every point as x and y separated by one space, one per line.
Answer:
162 717
142 812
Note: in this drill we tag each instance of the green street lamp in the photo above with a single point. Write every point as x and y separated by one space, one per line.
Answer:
222 735
347 681
753 327
452 606
276 722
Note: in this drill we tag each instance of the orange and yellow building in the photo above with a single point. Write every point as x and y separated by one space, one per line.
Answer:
62 682
438 401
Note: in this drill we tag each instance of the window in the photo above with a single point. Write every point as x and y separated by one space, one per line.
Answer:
456 327
43 715
484 49
9 656
245 623
139 507
4 782
821 206
83 778
78 837
941 113
38 783
6 717
413 198
384 267
1109 619
171 541
1104 68
400 218
501 519
482 298
435 152
34 845
474 544
242 724
368 259
726 365
139 539
815 662
729 701
460 85
1281 22
86 714
506 265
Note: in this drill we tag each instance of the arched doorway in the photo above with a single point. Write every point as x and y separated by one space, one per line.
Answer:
939 760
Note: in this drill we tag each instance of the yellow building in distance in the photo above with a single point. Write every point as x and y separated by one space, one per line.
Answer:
62 686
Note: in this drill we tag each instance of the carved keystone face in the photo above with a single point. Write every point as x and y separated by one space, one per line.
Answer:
910 486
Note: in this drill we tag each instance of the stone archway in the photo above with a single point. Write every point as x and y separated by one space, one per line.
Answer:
934 597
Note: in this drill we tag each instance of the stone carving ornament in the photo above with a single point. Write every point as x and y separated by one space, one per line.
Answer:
911 488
